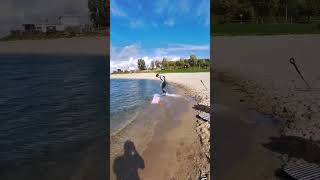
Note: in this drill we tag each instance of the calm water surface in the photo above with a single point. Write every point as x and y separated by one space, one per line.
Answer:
53 116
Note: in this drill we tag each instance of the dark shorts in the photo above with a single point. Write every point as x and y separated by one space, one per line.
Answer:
164 84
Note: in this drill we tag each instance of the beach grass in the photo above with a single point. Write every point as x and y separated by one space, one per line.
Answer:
263 29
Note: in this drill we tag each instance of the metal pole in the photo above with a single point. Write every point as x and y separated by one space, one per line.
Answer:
292 61
203 85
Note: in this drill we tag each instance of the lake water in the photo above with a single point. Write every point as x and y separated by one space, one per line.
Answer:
128 98
53 117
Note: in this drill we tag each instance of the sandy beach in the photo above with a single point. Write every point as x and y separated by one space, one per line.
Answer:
172 140
259 68
75 45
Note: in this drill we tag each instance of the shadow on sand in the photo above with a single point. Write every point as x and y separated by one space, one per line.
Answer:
295 147
203 108
126 166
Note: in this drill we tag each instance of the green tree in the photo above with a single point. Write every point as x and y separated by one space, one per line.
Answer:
157 64
200 63
193 60
164 63
172 64
99 12
141 64
262 11
180 63
152 65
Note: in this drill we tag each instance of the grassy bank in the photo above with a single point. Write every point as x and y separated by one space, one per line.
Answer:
263 29
40 36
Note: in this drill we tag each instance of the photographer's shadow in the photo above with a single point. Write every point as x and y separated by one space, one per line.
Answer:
126 166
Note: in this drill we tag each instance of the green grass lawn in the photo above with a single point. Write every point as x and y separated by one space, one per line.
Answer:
263 29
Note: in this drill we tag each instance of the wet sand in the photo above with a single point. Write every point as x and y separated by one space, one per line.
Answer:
239 136
161 135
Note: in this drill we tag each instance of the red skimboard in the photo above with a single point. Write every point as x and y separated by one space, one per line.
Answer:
156 99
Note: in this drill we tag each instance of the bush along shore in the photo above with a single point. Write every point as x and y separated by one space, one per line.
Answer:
192 64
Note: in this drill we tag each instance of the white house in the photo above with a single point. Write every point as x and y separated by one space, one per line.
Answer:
60 24
49 27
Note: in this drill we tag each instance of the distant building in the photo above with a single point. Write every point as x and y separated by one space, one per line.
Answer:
49 27
29 27
63 23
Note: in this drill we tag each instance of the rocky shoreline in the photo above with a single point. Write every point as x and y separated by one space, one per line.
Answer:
202 128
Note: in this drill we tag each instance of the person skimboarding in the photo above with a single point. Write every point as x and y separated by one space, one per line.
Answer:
163 83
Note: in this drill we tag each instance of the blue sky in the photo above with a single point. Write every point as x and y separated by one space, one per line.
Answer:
153 29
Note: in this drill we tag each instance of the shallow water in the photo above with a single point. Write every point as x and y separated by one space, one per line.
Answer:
52 116
129 98
145 127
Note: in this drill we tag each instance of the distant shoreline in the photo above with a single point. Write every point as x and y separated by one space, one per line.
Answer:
95 45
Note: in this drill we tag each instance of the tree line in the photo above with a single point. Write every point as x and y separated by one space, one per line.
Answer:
265 11
165 63
99 12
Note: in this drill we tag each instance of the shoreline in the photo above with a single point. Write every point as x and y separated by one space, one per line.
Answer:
199 137
269 100
286 144
295 109
262 69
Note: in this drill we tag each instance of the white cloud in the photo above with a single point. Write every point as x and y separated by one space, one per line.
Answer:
161 5
169 22
184 6
172 7
124 58
129 64
136 23
175 48
154 24
117 12
139 7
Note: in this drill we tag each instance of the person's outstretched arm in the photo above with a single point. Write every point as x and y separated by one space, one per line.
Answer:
139 160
